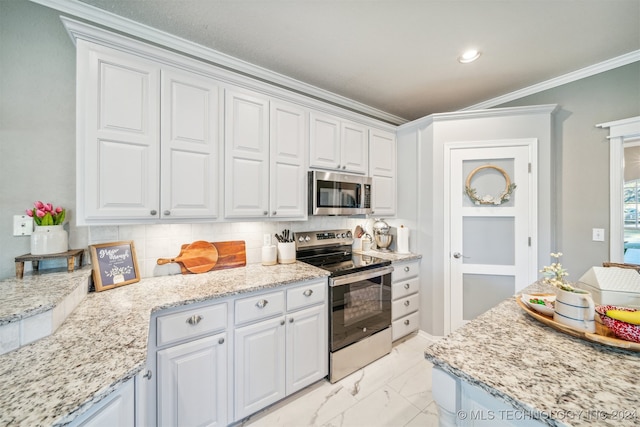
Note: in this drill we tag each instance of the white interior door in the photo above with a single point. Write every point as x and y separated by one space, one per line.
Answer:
492 251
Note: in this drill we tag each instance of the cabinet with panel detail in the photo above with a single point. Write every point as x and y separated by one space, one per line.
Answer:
280 345
338 144
191 381
382 170
405 299
148 139
265 166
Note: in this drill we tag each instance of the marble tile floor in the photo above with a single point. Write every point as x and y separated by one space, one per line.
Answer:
392 391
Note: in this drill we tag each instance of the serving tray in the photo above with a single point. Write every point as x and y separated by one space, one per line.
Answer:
603 335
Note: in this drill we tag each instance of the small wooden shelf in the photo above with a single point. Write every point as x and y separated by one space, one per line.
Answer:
70 255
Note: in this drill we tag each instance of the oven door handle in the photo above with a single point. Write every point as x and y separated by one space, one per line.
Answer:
360 275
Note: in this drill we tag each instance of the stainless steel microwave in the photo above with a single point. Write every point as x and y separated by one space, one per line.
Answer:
334 193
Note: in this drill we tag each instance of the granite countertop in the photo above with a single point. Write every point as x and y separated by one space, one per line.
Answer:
392 256
103 343
540 371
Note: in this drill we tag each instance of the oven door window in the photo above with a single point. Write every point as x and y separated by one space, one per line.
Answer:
359 309
333 194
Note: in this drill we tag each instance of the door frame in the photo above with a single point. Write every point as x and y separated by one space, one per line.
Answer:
532 144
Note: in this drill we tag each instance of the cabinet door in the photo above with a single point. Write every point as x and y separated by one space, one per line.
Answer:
288 178
190 145
354 148
118 142
116 410
382 169
259 366
192 383
307 347
246 154
324 144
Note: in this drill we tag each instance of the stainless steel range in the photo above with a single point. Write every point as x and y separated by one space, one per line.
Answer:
359 299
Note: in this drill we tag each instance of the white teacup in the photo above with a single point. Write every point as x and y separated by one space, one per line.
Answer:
575 309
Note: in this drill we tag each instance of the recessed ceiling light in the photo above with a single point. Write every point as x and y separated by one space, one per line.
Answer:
469 56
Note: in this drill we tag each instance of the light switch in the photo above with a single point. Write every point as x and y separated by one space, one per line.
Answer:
22 225
598 234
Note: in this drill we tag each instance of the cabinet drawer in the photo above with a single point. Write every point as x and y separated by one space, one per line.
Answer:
405 306
190 323
404 288
404 326
406 270
259 307
307 295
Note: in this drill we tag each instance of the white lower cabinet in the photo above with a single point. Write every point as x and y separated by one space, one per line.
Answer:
192 383
116 410
405 299
284 353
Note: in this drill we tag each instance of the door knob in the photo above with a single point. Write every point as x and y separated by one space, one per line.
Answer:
457 255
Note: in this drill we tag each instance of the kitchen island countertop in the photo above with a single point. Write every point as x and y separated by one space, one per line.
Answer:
541 372
103 342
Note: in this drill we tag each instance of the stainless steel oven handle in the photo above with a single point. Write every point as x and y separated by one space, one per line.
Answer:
360 275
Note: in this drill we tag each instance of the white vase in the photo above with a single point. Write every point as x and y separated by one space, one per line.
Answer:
49 239
575 309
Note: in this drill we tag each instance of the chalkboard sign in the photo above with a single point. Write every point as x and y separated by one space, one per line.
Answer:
114 264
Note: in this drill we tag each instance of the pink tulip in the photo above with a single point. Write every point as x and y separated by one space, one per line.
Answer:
40 213
39 205
58 209
48 207
30 212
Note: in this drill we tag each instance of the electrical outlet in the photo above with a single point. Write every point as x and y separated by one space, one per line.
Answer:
598 234
266 240
22 225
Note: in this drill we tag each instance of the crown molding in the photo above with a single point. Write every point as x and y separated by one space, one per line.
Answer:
144 32
589 71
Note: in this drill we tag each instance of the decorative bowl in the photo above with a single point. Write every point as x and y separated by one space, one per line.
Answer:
547 308
623 330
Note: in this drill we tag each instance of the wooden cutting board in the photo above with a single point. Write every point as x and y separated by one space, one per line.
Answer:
231 254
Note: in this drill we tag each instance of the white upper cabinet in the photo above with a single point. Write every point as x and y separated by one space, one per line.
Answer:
118 146
148 139
189 145
288 177
265 157
382 169
246 154
337 144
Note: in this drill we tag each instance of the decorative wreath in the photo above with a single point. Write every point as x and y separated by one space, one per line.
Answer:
489 199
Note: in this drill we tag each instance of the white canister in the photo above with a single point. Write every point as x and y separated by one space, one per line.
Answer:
269 255
286 252
49 239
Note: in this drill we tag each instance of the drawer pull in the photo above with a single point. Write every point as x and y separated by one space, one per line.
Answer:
406 269
308 292
281 322
407 286
291 320
194 320
262 303
406 322
148 375
406 303
221 341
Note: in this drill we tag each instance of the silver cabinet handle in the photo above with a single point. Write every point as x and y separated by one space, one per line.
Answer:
281 322
274 212
153 212
195 319
406 303
147 375
308 292
407 286
262 303
344 167
265 213
406 322
166 213
291 320
221 341
406 269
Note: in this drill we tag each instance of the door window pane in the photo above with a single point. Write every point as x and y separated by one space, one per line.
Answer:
488 240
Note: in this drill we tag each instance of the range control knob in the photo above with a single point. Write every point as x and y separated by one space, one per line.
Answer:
307 238
349 235
301 239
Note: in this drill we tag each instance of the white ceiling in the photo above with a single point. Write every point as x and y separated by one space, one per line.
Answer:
400 56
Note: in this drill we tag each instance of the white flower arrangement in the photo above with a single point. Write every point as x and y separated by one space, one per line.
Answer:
554 274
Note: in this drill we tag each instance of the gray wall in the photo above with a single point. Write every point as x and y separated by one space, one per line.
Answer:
583 159
37 119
